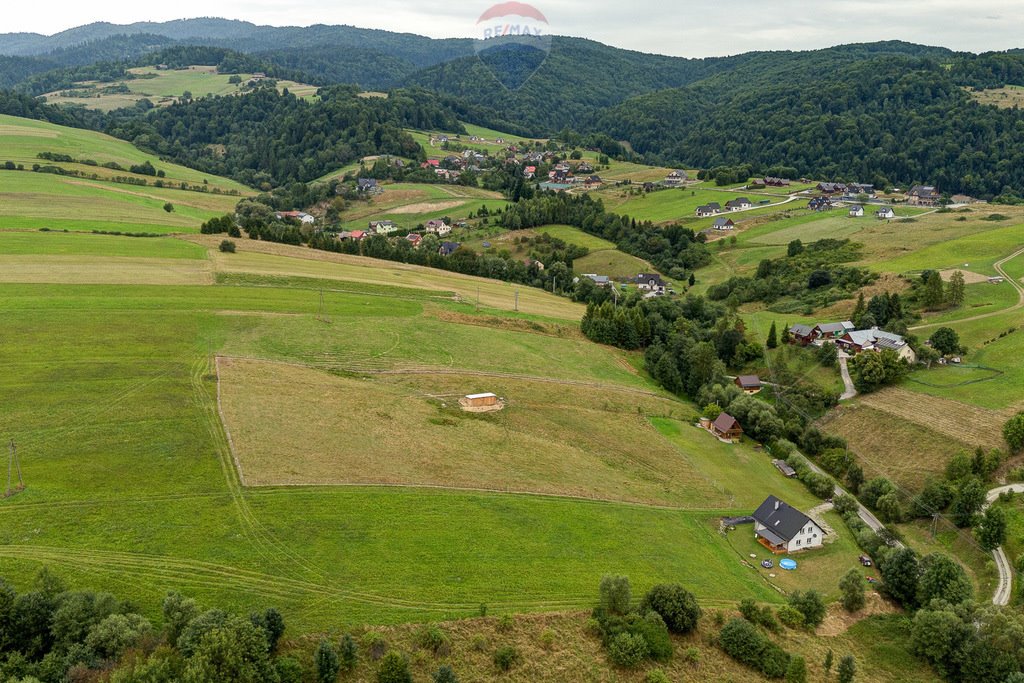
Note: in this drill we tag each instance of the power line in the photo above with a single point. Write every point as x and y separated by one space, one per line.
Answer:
12 463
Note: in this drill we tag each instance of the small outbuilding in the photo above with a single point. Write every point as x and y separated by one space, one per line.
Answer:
727 428
750 384
480 400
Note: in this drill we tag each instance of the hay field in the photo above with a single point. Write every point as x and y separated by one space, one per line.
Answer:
104 270
266 258
293 425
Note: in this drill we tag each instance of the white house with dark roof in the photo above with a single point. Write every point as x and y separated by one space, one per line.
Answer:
885 213
650 282
782 528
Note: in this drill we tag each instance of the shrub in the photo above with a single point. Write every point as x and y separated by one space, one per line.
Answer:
505 623
796 672
659 642
374 644
478 643
431 637
326 661
852 586
227 247
755 614
168 207
1013 432
393 669
743 642
505 657
628 650
677 607
656 676
616 594
348 653
810 604
445 675
791 616
547 639
845 504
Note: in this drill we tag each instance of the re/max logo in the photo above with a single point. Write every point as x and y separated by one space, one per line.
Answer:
511 30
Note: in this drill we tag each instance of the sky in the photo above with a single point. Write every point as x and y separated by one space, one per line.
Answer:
686 28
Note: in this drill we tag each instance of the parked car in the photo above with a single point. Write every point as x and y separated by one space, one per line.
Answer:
865 560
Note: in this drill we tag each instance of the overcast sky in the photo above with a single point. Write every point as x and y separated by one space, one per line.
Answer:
691 28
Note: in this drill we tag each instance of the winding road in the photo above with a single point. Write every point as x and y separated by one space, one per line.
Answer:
998 265
1005 588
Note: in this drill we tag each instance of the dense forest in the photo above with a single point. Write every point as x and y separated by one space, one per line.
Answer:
883 121
267 139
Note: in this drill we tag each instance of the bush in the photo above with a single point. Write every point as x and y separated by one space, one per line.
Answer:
656 676
168 207
227 247
677 607
616 594
326 661
348 653
431 637
1013 432
505 623
478 643
844 504
852 587
810 604
796 672
505 657
743 642
653 630
393 669
375 645
791 616
628 650
547 639
755 614
445 675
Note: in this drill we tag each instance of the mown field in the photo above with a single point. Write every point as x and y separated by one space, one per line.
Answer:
412 204
162 88
111 395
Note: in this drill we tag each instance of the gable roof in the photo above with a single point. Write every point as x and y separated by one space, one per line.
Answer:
724 222
781 518
877 337
749 381
725 422
832 328
801 330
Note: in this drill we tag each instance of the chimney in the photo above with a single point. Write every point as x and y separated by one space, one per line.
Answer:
777 502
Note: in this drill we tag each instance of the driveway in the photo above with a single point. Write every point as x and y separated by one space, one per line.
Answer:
851 390
1005 588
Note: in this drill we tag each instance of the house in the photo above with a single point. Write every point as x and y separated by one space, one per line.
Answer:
727 428
414 238
831 188
923 195
962 199
857 212
738 204
772 181
368 185
357 235
650 282
709 209
802 334
857 341
782 528
431 163
885 213
724 224
382 227
448 248
750 384
584 167
438 227
301 216
820 204
599 280
528 262
831 331
529 172
675 178
856 189
593 181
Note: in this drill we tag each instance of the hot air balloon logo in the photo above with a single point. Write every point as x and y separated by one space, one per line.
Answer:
513 40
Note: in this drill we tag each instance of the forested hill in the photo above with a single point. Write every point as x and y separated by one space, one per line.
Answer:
882 120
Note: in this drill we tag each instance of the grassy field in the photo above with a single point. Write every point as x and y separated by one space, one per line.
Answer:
411 204
976 252
163 88
904 451
22 139
576 236
111 397
1007 97
613 263
266 258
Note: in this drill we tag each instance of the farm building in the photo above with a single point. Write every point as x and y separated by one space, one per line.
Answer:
750 384
832 331
448 248
438 227
675 178
801 334
923 195
878 340
382 227
782 528
300 216
727 428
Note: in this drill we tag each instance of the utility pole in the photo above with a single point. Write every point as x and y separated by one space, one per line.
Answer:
12 462
517 300
935 522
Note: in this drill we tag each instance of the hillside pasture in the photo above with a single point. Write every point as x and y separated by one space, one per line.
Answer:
163 88
103 270
976 252
267 258
410 204
298 425
21 140
85 244
36 200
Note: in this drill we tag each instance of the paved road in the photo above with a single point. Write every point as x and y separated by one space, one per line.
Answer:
1005 588
851 391
998 265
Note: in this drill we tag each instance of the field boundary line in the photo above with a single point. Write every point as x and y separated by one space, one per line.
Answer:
224 425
